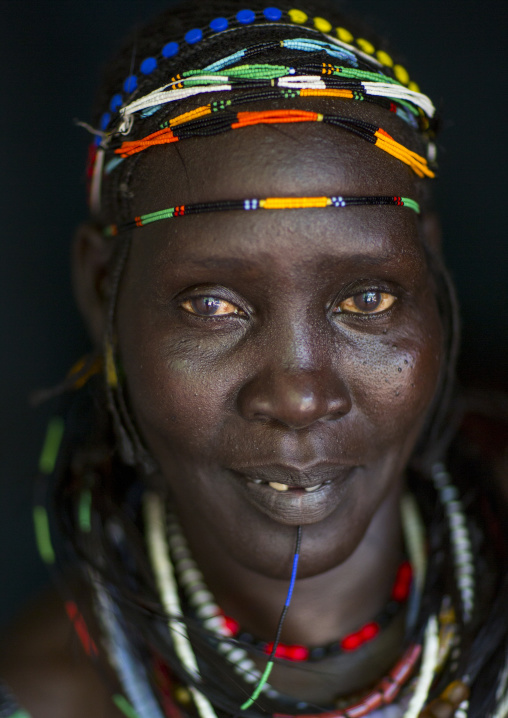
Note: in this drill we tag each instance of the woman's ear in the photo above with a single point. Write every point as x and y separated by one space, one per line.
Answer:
91 257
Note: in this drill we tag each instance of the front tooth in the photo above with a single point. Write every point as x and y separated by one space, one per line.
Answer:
310 489
278 487
257 481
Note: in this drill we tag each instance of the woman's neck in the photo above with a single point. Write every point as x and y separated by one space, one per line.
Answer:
324 607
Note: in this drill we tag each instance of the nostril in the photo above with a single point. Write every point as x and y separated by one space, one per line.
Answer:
294 399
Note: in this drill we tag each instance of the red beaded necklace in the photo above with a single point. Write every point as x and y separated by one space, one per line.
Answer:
351 642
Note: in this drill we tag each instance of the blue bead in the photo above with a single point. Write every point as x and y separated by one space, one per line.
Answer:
116 102
170 50
148 65
194 36
130 83
105 120
245 17
219 24
272 13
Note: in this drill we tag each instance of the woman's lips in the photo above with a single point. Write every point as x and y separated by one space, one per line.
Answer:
295 497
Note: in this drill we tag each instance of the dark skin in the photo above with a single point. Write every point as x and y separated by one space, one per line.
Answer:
300 348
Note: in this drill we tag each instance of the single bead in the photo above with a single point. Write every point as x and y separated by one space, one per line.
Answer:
384 58
116 102
344 35
365 45
455 693
322 25
272 13
438 709
232 625
182 696
449 493
297 653
105 120
219 24
245 17
214 623
130 83
414 86
401 74
193 36
369 631
148 65
280 651
351 642
297 16
170 49
317 653
208 611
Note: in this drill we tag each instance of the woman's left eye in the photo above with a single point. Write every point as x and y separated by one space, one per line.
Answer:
210 307
372 301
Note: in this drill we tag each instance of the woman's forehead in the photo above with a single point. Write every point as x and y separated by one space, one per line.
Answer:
262 161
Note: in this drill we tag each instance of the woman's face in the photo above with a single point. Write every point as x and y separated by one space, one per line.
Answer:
279 363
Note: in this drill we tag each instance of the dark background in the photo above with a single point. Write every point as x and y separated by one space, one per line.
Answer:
51 52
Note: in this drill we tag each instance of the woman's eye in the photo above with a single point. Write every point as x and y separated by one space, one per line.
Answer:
210 307
369 302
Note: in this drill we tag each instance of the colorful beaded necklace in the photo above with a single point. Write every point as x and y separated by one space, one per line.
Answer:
440 642
349 643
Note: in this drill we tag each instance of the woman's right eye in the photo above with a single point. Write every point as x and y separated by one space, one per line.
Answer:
209 306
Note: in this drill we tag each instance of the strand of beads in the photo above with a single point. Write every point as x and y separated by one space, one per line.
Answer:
129 668
459 537
191 579
195 83
203 123
343 42
164 574
269 203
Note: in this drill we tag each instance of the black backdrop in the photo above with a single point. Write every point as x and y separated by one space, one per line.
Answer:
51 52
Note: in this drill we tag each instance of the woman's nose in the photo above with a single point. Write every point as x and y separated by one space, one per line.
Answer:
295 398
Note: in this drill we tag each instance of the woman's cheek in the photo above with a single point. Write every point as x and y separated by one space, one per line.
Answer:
176 391
394 381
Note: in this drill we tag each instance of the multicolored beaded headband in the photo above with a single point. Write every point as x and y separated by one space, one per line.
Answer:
372 83
269 203
340 36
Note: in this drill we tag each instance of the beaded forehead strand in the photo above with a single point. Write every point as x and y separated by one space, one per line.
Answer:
270 203
197 126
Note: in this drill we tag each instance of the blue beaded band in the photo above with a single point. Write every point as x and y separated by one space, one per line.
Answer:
244 18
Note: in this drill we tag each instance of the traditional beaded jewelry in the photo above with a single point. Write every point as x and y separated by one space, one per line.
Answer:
330 77
154 517
341 46
197 126
460 539
351 642
200 599
258 204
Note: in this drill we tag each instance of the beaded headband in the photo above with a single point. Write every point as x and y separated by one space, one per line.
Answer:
269 203
357 72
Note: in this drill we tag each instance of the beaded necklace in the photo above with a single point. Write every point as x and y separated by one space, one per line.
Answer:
350 642
435 649
452 698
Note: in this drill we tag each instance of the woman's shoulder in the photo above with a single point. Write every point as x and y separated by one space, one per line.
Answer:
46 669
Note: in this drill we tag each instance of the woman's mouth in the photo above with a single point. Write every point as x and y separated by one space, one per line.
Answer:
284 487
295 497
